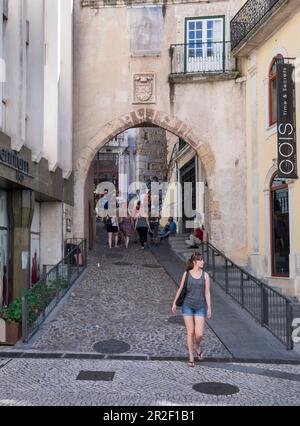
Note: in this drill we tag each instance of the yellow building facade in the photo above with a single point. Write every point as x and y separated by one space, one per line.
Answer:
273 206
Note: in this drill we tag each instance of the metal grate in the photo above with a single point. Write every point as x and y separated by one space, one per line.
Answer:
96 376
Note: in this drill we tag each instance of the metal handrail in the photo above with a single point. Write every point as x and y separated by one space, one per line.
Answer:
39 302
206 57
249 16
269 307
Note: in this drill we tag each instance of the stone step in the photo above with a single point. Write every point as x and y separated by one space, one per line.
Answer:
179 244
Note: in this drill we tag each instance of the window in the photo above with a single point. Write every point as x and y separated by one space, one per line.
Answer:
204 44
182 144
280 234
35 252
273 91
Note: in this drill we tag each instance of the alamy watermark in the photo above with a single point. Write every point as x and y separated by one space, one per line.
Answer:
157 199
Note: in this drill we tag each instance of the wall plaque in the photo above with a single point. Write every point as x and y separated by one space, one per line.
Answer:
146 24
144 88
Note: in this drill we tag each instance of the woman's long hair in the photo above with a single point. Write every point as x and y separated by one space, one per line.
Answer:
194 258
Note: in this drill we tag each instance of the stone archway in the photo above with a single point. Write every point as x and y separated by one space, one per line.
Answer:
112 129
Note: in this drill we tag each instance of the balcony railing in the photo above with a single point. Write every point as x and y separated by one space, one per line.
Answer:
250 16
201 58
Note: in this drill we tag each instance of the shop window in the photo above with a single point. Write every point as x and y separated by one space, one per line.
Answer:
280 233
4 291
273 91
35 271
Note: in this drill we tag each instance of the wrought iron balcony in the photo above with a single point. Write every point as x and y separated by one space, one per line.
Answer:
250 17
201 58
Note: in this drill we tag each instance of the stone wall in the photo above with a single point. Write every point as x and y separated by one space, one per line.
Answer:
151 154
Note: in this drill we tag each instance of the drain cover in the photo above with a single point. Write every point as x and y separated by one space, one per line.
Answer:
122 264
111 347
178 320
213 388
151 266
96 376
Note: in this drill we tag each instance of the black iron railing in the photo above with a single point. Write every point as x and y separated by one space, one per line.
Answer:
270 308
38 302
211 57
250 16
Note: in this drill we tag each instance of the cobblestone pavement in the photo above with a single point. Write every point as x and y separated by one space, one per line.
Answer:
48 382
128 298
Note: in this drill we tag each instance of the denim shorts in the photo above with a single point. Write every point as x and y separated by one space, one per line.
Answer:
190 312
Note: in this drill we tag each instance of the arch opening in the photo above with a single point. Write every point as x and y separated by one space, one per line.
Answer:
175 129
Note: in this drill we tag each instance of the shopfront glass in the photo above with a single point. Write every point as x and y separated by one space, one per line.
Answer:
35 269
280 228
3 249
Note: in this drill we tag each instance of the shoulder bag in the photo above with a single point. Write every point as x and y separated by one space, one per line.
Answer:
183 292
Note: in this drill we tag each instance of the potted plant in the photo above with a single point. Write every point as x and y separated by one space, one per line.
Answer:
10 323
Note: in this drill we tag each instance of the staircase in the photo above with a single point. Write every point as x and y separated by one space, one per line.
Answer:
180 248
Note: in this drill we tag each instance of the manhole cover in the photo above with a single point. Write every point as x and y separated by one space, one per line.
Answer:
213 388
111 347
122 264
151 266
178 320
96 376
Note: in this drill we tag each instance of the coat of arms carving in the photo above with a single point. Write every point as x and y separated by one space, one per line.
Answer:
144 88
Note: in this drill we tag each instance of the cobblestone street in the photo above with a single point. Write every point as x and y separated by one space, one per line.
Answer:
143 383
124 296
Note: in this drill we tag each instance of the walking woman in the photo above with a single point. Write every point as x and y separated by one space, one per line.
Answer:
142 226
112 227
197 304
127 228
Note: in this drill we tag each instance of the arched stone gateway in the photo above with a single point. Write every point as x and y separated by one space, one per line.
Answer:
142 116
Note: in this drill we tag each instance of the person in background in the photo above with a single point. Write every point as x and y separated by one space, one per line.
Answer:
127 228
170 229
142 226
112 227
197 238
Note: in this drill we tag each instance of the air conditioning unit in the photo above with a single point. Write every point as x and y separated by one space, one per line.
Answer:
5 9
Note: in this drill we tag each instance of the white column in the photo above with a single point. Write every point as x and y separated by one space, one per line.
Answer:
52 77
35 78
65 129
16 73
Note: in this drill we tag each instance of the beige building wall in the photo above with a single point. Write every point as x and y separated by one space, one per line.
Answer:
262 157
208 114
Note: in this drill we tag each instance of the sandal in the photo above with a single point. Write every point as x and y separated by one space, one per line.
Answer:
191 364
200 356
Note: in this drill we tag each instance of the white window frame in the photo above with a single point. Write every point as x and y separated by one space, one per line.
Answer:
205 57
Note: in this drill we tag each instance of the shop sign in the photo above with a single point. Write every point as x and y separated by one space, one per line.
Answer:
12 160
287 156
